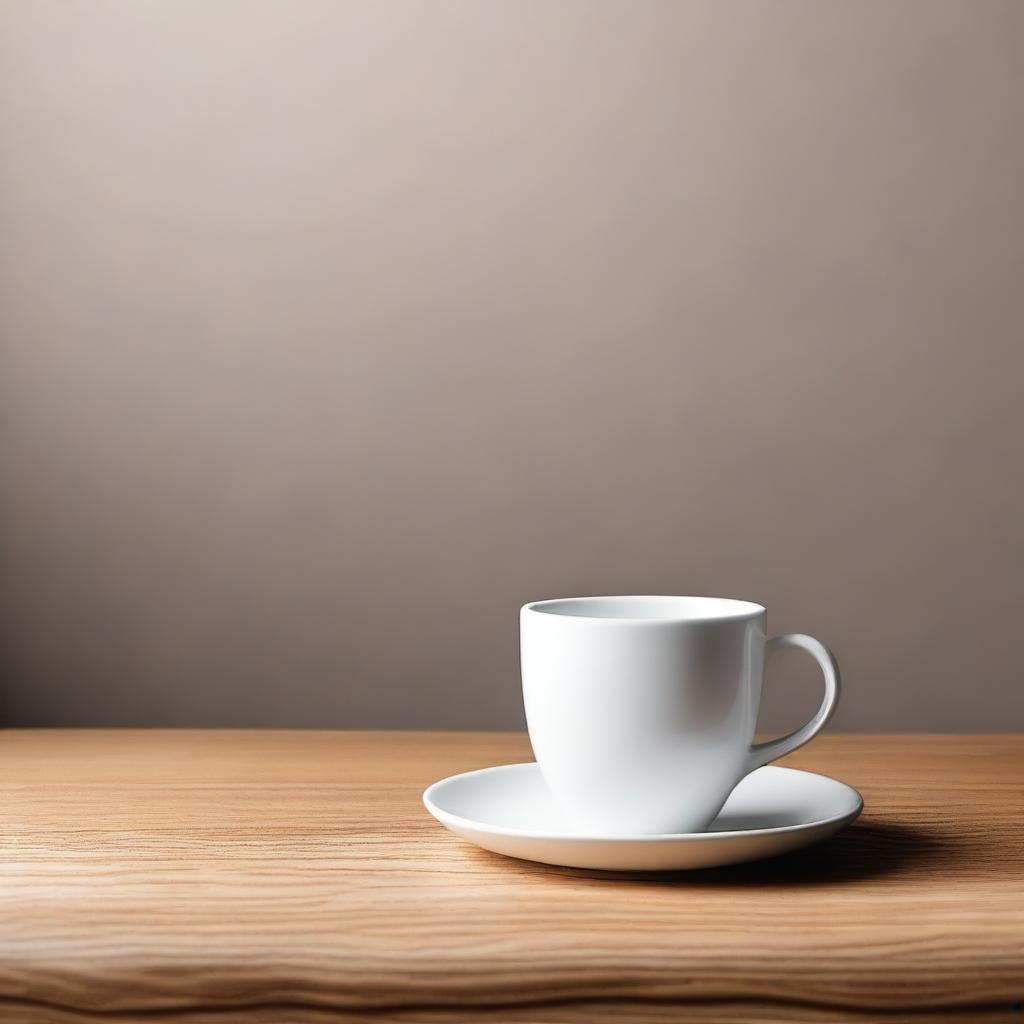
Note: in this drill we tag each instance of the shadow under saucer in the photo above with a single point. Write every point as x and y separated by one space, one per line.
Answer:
863 850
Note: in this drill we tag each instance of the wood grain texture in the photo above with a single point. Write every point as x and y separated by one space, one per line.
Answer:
294 876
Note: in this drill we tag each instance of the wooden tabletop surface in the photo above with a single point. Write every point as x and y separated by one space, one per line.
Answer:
295 877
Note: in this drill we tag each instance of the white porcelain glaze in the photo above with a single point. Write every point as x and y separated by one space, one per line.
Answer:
642 710
510 810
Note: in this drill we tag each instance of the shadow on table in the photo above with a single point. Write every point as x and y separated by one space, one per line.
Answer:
864 850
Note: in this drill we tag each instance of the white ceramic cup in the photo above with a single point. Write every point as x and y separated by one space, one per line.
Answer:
642 710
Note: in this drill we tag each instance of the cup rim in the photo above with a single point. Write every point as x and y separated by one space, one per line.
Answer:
671 608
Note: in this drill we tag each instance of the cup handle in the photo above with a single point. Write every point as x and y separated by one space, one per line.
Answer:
762 753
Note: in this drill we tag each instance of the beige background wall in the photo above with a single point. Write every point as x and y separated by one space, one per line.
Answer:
334 331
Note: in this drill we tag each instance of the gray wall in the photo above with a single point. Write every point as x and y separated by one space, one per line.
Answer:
334 331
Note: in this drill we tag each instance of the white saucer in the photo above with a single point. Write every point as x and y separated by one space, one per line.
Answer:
508 809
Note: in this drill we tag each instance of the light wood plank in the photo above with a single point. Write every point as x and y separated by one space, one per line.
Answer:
215 873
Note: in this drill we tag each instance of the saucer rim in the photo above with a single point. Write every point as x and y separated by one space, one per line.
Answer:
447 817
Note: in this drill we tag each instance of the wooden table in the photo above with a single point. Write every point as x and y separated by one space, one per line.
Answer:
294 877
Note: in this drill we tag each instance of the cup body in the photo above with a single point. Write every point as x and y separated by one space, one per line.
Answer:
641 710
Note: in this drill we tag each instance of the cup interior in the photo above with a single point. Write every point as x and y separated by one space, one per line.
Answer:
650 608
